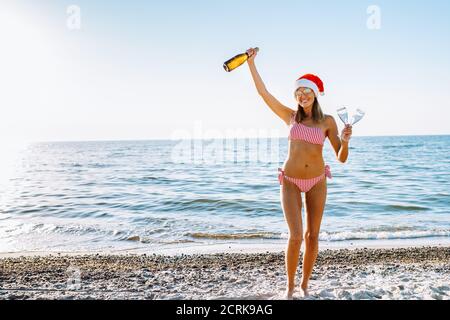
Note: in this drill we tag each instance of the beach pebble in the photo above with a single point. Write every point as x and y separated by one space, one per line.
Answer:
134 238
326 293
344 294
335 283
438 290
436 296
362 295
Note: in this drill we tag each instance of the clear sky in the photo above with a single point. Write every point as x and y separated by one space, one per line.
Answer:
148 69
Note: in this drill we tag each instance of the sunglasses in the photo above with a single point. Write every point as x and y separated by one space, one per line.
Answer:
305 91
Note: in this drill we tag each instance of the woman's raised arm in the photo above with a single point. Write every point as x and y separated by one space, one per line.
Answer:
276 106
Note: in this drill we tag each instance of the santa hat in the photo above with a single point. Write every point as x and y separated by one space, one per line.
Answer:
310 81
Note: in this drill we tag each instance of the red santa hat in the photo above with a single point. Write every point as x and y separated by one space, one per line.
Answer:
310 81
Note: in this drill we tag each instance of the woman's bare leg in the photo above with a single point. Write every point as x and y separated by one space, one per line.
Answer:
315 205
291 202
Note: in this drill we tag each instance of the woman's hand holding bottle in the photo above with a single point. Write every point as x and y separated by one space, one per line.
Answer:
251 52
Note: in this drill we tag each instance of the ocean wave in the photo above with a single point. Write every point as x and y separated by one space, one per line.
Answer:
377 207
209 204
370 234
399 207
402 146
150 180
168 242
234 236
383 235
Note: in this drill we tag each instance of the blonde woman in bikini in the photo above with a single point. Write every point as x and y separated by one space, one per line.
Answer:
304 169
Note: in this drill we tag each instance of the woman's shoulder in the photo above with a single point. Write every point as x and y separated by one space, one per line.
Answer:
328 118
329 121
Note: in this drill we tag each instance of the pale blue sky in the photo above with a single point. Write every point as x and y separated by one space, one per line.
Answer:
144 69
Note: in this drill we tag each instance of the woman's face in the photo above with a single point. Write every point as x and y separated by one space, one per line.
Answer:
305 97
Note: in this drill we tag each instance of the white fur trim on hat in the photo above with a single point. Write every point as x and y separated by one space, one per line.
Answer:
307 84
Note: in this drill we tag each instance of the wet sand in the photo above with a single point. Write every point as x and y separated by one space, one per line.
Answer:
395 273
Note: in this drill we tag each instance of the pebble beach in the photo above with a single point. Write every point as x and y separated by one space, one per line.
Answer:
350 274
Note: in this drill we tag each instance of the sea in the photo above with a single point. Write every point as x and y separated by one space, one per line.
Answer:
152 195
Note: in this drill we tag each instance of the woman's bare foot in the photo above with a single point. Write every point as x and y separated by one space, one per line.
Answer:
304 291
289 294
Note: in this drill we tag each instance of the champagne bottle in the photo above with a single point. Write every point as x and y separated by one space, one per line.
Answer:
236 61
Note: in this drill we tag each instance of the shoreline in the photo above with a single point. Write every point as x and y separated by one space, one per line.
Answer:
241 247
351 273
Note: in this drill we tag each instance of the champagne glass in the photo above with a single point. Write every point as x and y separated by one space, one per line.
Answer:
357 116
343 114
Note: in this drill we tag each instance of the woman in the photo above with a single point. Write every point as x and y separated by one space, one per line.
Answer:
304 169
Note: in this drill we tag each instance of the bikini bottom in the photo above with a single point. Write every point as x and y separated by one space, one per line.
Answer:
304 184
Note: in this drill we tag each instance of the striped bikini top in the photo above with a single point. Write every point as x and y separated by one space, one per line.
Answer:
299 131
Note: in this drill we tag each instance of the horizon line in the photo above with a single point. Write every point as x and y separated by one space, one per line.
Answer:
222 138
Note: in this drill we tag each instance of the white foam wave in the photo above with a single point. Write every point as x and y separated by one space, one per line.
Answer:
383 235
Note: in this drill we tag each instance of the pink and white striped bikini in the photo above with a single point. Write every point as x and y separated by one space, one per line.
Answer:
299 131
